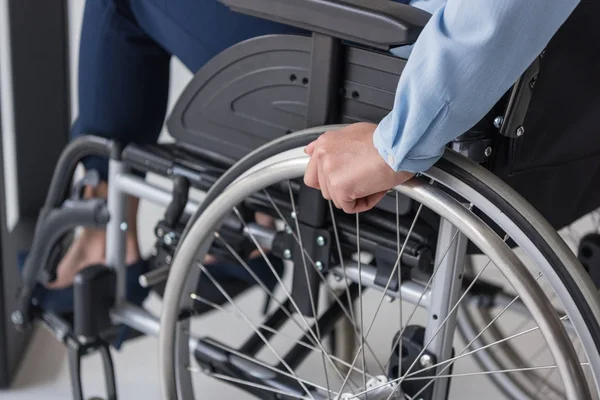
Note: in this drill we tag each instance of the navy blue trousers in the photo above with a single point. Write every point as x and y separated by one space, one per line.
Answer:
125 52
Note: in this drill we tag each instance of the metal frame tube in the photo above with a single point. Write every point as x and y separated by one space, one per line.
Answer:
138 187
411 291
445 291
116 228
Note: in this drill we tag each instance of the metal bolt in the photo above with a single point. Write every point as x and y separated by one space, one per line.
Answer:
294 214
154 251
287 254
169 239
288 230
488 151
168 259
498 121
160 233
60 335
520 131
532 82
16 317
321 241
82 339
337 278
123 226
319 265
426 360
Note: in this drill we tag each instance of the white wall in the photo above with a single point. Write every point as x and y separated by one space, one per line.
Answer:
8 129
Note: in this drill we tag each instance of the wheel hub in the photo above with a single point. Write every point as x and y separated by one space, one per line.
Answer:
379 388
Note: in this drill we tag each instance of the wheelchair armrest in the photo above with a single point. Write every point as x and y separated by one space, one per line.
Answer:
378 23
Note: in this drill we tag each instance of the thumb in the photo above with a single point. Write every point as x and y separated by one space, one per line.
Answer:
310 148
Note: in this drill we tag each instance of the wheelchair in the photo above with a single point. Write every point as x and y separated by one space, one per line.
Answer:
461 264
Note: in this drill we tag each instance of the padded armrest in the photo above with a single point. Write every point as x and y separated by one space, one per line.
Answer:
378 23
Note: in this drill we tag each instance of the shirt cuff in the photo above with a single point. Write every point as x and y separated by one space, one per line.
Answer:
398 163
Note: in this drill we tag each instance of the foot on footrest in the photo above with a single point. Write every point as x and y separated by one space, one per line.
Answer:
61 301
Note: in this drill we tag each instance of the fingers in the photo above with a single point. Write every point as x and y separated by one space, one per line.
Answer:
323 181
365 203
311 176
310 148
348 206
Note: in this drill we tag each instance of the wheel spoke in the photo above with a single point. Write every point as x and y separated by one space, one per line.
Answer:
410 317
262 364
343 265
276 332
355 395
269 293
286 291
309 286
246 383
362 326
272 295
349 315
502 371
487 346
245 317
399 250
452 310
386 289
277 277
449 364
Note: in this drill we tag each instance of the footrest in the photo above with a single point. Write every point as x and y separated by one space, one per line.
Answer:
94 296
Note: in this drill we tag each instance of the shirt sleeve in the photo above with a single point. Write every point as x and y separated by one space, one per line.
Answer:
467 56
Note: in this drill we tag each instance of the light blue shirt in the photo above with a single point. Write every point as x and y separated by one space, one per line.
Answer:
467 56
